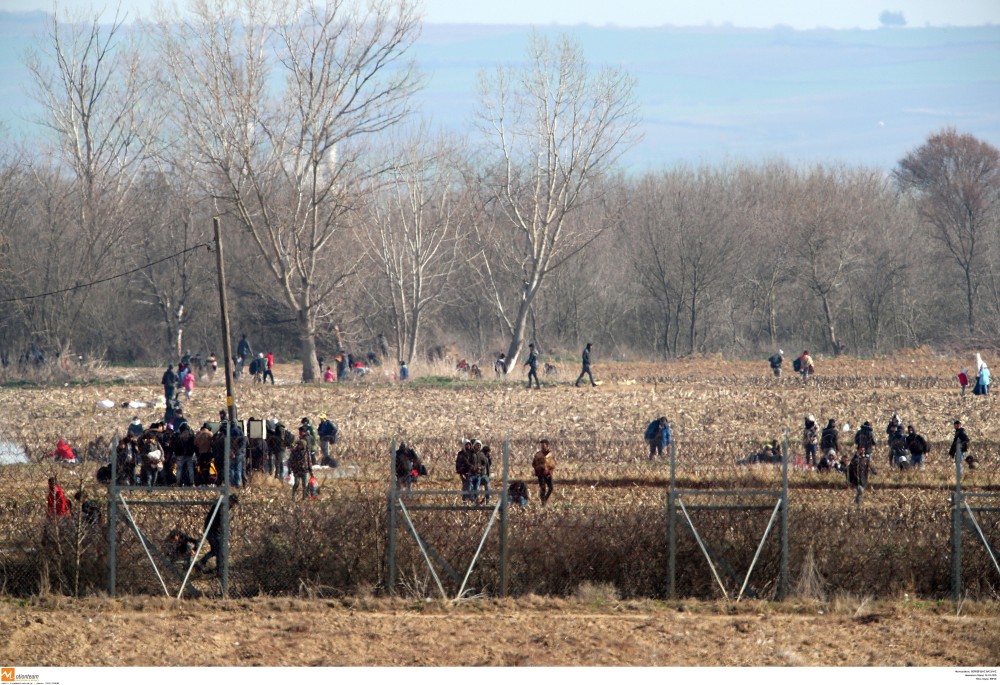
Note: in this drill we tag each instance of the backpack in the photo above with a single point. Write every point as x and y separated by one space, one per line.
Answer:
797 364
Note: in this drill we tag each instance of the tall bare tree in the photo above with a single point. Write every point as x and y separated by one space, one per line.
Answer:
91 83
411 231
279 98
554 127
955 179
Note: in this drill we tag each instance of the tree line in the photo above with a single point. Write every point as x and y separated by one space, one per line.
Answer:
346 216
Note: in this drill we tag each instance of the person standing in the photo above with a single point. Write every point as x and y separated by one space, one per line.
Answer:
960 445
269 368
188 384
806 367
463 461
544 465
586 368
532 364
56 503
865 438
327 437
657 435
963 380
404 370
857 473
243 352
775 360
169 381
917 446
810 439
829 440
300 464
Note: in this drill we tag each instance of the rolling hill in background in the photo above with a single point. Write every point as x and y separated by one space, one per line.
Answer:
708 95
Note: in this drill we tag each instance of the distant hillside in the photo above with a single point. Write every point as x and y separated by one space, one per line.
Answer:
712 94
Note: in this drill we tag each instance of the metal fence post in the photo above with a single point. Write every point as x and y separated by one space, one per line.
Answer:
956 528
672 525
113 526
783 574
390 552
504 504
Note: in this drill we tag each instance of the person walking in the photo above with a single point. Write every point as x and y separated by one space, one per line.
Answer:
300 464
544 464
532 364
775 360
858 472
960 445
586 368
213 536
169 380
188 384
269 368
917 446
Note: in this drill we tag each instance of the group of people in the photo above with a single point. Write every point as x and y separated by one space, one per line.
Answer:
983 378
474 463
173 453
802 365
500 366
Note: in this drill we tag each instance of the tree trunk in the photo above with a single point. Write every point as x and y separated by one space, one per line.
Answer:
307 341
970 299
830 328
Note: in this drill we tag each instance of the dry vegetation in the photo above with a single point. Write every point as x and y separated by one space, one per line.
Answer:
605 523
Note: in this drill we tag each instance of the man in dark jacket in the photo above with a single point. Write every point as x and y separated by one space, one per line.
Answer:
658 436
775 361
917 446
858 471
214 536
830 438
532 365
169 382
960 446
865 438
586 368
327 436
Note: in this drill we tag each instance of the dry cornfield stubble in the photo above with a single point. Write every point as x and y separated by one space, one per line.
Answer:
605 523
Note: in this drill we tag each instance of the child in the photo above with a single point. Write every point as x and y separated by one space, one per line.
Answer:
963 380
313 487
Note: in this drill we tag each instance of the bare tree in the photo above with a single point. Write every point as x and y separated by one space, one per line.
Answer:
286 161
411 232
955 179
91 83
554 127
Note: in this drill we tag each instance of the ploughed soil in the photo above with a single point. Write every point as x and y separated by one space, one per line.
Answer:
530 631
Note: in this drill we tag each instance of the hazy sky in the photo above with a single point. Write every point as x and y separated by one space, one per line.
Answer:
800 14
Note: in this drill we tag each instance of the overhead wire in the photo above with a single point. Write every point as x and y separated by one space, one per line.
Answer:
80 286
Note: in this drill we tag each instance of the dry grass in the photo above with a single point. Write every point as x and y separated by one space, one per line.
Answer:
604 526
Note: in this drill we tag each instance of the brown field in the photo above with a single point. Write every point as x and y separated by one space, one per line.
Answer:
583 568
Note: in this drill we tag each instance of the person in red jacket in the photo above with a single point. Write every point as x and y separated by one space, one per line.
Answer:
57 505
268 369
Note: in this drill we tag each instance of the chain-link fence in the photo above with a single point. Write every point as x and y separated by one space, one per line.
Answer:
605 524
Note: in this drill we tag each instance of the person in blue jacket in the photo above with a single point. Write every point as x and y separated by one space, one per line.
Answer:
658 436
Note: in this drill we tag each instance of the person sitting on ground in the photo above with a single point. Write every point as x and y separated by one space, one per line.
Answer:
544 464
517 493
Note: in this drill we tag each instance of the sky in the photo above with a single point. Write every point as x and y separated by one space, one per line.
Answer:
798 14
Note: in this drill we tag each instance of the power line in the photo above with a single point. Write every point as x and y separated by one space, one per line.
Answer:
80 286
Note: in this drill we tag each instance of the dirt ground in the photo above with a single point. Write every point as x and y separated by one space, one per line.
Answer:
530 631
